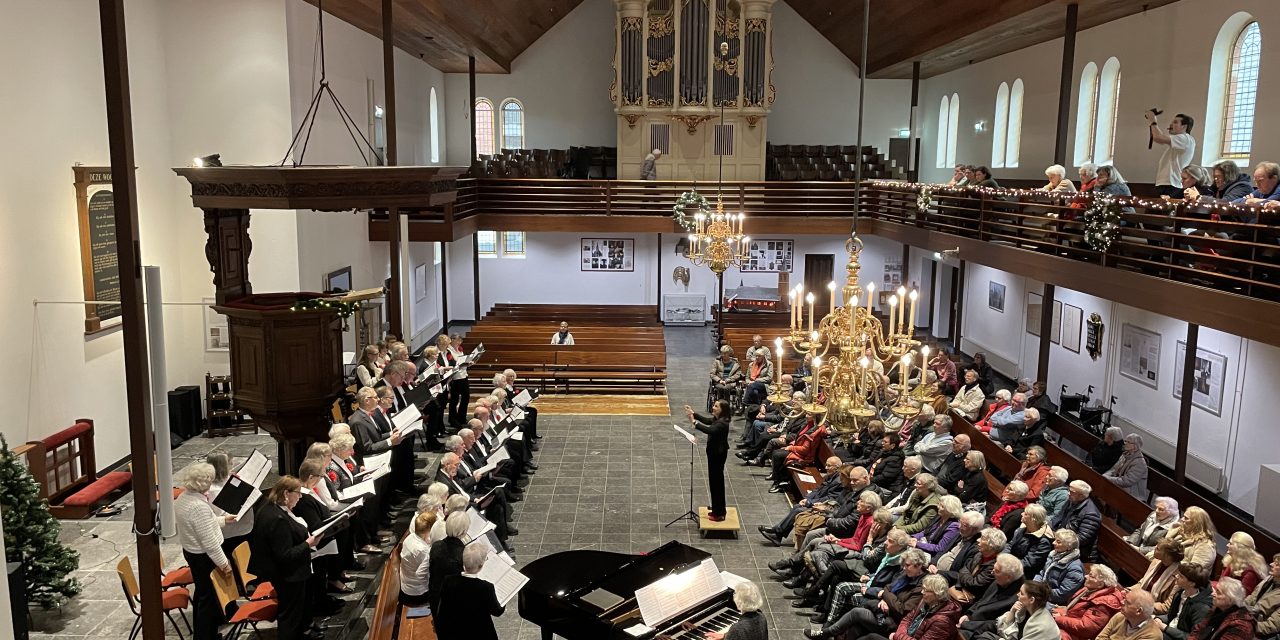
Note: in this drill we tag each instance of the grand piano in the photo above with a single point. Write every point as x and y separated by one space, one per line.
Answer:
591 595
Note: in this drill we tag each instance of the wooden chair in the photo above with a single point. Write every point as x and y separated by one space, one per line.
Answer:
248 613
264 590
170 599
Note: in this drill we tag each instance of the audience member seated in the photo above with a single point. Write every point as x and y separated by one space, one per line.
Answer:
1029 618
973 490
952 470
1054 495
981 615
1080 515
562 337
1155 527
1264 603
915 429
1063 571
863 447
1229 619
468 604
1090 608
765 423
1267 178
800 452
969 397
935 617
1034 472
1196 533
1026 435
748 599
966 547
876 569
726 374
982 178
1130 471
858 609
911 467
1195 179
1088 174
1007 421
971 580
1134 621
1112 183
886 468
936 445
759 374
1000 401
760 451
849 530
1243 562
1008 516
1161 578
828 563
757 344
959 177
415 560
921 509
945 367
985 373
1033 541
939 537
1191 604
1229 184
822 498
1107 452
1058 182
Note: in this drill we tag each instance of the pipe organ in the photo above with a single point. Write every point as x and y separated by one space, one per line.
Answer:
678 64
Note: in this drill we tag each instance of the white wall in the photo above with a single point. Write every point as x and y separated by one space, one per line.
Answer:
817 100
551 273
1164 59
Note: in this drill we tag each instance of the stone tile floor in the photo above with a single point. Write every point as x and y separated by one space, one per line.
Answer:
606 482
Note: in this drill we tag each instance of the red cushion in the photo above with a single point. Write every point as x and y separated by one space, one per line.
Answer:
255 611
91 494
174 599
66 435
179 577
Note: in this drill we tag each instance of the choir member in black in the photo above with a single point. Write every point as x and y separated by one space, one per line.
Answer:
459 481
396 376
469 604
281 547
531 412
433 411
446 557
459 385
314 513
716 426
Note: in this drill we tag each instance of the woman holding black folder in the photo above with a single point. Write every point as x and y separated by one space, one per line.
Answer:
717 429
200 534
328 567
282 547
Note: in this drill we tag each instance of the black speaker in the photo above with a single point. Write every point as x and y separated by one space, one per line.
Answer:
184 413
18 599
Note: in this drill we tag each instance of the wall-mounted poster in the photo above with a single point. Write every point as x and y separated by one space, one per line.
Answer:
420 282
995 296
1207 381
769 256
892 274
1140 355
1055 323
1072 318
216 336
1035 305
99 262
608 254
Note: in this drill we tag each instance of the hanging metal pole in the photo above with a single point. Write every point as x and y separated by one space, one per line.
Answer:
862 96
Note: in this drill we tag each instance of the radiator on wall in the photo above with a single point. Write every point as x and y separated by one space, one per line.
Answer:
1208 474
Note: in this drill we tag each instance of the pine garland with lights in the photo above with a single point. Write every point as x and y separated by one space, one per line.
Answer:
925 199
1102 223
686 200
344 309
31 535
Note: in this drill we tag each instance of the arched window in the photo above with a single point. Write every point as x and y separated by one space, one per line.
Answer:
1104 140
1000 132
434 117
484 127
1013 141
953 131
1086 113
512 124
1233 90
944 123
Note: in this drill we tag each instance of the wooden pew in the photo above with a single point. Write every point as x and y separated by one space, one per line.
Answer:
65 467
389 620
1111 544
800 488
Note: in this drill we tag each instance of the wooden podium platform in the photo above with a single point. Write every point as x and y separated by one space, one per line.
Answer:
730 525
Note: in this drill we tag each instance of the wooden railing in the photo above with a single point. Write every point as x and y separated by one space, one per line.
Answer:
1191 243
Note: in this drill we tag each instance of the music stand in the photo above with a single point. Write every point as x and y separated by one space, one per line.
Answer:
690 515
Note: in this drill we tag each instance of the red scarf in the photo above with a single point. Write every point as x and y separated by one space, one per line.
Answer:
1006 508
755 370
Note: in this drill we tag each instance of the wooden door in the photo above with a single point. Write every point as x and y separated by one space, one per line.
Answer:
819 270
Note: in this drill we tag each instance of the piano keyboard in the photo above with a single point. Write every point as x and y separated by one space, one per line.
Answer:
717 620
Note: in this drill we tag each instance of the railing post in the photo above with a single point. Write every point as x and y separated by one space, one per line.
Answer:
742 197
608 198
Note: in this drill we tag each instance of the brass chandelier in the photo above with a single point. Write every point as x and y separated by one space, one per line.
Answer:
846 344
717 241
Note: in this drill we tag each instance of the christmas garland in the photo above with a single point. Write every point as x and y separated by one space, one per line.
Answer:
344 309
1102 223
925 199
686 200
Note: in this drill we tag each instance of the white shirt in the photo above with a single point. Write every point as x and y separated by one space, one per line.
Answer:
459 373
1178 155
415 555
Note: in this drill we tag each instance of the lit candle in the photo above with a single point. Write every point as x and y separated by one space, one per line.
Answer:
831 287
809 298
779 365
911 323
902 310
871 289
893 311
792 296
902 374
817 364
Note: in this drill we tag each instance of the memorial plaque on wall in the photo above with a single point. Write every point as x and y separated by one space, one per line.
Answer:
99 260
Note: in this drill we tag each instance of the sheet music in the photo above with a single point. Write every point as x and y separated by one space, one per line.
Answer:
254 470
478 524
327 550
732 580
679 591
523 398
381 460
500 454
356 490
482 541
804 477
436 390
372 473
506 581
406 416
248 504
687 436
336 518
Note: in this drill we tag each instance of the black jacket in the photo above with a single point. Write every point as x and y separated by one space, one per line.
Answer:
1194 610
445 561
279 545
888 470
1026 438
370 441
717 430
995 601
1104 456
467 608
951 471
975 487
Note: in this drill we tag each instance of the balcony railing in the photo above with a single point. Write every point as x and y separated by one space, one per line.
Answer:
1198 243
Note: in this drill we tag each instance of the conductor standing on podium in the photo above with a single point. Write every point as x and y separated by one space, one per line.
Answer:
717 429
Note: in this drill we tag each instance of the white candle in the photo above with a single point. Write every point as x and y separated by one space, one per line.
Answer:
911 323
831 287
809 298
902 310
871 289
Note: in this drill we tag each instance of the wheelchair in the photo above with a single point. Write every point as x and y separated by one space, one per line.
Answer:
732 395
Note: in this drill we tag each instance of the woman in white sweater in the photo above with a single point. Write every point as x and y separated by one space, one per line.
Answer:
200 534
415 557
1029 619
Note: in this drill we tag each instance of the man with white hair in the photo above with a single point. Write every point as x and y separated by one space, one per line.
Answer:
1030 433
649 168
1005 421
969 397
1133 622
997 599
952 470
1081 515
1104 455
936 445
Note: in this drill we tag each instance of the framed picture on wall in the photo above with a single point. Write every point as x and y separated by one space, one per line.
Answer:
1208 378
769 256
1035 305
608 254
420 282
1055 323
216 337
995 296
1072 318
1140 355
892 273
338 281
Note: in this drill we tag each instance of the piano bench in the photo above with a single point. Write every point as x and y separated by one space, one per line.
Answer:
730 525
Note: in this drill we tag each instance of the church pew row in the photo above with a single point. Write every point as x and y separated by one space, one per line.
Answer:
576 308
801 487
1162 485
1111 544
66 472
566 369
389 620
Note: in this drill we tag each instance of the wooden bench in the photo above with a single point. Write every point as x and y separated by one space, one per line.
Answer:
390 621
800 487
65 468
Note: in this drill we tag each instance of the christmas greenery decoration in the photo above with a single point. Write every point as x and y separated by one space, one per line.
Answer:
686 200
925 199
31 535
344 309
1101 223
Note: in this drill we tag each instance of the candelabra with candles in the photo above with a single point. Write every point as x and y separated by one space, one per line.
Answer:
847 343
717 241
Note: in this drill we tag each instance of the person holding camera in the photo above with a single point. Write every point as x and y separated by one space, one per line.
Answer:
1181 148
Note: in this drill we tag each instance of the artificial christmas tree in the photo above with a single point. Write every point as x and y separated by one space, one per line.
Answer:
31 535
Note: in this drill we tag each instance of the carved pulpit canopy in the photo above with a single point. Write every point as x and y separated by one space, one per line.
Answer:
321 188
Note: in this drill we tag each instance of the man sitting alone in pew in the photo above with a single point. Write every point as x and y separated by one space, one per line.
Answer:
562 337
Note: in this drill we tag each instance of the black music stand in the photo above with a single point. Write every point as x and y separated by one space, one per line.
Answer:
689 515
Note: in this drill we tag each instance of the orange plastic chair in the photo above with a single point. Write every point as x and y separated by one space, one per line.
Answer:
248 613
264 590
176 598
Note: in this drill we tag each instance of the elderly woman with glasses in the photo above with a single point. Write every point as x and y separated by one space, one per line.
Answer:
1155 527
282 548
1229 619
1130 471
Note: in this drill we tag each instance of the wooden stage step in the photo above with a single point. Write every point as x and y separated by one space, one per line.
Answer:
730 525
